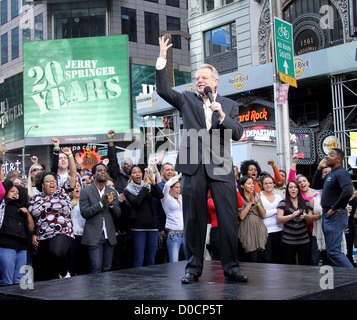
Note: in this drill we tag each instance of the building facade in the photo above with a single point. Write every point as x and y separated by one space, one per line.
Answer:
235 37
142 21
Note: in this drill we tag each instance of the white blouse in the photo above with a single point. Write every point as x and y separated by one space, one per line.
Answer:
172 207
270 219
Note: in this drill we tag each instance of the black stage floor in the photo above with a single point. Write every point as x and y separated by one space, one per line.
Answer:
162 282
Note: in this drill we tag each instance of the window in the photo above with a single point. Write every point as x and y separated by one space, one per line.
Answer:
306 17
220 40
26 31
3 11
307 113
128 23
14 8
151 28
208 5
173 23
15 43
78 23
26 35
173 3
39 27
4 49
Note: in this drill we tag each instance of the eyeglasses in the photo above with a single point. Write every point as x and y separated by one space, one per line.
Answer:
49 181
37 169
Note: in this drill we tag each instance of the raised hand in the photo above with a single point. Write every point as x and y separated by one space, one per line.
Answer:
111 134
67 151
78 159
55 142
34 159
164 46
323 164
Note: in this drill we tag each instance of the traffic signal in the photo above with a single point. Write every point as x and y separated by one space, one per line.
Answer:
89 154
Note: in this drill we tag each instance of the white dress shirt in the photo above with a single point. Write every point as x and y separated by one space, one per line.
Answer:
104 230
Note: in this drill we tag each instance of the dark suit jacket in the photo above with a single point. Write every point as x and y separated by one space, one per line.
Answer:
92 211
211 148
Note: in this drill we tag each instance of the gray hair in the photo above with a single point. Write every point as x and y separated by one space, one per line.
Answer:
215 73
123 160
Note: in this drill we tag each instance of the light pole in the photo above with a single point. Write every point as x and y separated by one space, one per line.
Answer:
282 125
23 150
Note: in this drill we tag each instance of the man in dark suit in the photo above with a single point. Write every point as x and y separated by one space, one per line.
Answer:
100 207
205 161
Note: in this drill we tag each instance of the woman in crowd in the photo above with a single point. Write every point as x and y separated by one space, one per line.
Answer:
350 232
212 218
18 181
54 228
144 230
280 186
172 205
79 259
31 183
270 201
16 223
252 232
252 168
307 194
293 212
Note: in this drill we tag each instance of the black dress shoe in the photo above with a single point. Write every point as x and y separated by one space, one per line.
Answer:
189 278
236 276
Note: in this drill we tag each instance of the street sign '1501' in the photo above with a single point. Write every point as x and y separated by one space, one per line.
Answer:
285 51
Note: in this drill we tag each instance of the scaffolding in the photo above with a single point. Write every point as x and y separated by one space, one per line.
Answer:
344 115
165 137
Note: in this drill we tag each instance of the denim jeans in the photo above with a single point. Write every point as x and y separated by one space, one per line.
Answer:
174 242
11 261
333 228
101 256
144 245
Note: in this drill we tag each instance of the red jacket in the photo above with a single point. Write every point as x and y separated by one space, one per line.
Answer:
212 212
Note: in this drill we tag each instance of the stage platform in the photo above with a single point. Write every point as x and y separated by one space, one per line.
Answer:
162 282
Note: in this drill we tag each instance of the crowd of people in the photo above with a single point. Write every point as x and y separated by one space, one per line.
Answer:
71 221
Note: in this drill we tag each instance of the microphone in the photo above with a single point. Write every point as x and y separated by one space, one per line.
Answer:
208 92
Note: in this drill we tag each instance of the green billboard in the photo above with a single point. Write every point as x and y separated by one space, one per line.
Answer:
77 89
11 109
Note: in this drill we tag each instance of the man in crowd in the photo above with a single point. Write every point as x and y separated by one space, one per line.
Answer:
337 190
99 205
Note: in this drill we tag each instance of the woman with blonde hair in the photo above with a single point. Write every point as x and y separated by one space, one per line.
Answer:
31 185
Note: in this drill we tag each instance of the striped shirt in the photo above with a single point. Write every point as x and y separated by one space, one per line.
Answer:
295 231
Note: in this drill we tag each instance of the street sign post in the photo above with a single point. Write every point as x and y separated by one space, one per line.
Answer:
284 51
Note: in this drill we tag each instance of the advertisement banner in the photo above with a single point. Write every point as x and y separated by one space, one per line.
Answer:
11 109
77 89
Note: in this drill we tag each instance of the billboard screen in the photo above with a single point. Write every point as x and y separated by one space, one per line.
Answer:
11 109
77 89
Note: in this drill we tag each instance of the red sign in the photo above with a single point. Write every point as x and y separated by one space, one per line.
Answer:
283 93
254 116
